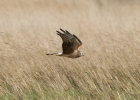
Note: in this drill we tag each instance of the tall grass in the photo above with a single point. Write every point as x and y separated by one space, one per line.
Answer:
109 30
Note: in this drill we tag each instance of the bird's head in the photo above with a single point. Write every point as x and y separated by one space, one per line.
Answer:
80 53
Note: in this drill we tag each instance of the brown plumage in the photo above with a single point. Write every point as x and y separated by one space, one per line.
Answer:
70 45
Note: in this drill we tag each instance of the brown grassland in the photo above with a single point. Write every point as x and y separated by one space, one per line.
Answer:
109 30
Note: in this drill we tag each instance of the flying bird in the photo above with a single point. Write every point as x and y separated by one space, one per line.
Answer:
70 45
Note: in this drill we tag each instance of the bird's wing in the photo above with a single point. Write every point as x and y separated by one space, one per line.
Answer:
70 42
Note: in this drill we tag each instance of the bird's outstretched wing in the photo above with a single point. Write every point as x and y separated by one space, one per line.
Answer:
70 42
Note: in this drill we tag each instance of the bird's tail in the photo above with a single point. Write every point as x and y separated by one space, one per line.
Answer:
51 54
57 54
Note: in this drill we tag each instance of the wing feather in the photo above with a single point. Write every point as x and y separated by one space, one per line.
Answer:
70 42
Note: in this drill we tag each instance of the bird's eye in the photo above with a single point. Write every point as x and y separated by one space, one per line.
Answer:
82 53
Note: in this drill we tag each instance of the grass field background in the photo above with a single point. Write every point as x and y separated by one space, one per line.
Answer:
109 30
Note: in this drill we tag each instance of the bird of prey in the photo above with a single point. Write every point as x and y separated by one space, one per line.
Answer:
70 45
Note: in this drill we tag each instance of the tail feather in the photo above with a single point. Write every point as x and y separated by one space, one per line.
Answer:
57 54
51 54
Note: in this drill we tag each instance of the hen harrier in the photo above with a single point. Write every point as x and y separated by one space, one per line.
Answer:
70 45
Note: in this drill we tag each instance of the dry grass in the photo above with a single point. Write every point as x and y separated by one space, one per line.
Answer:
109 30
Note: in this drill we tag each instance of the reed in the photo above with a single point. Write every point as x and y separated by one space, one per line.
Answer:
109 30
